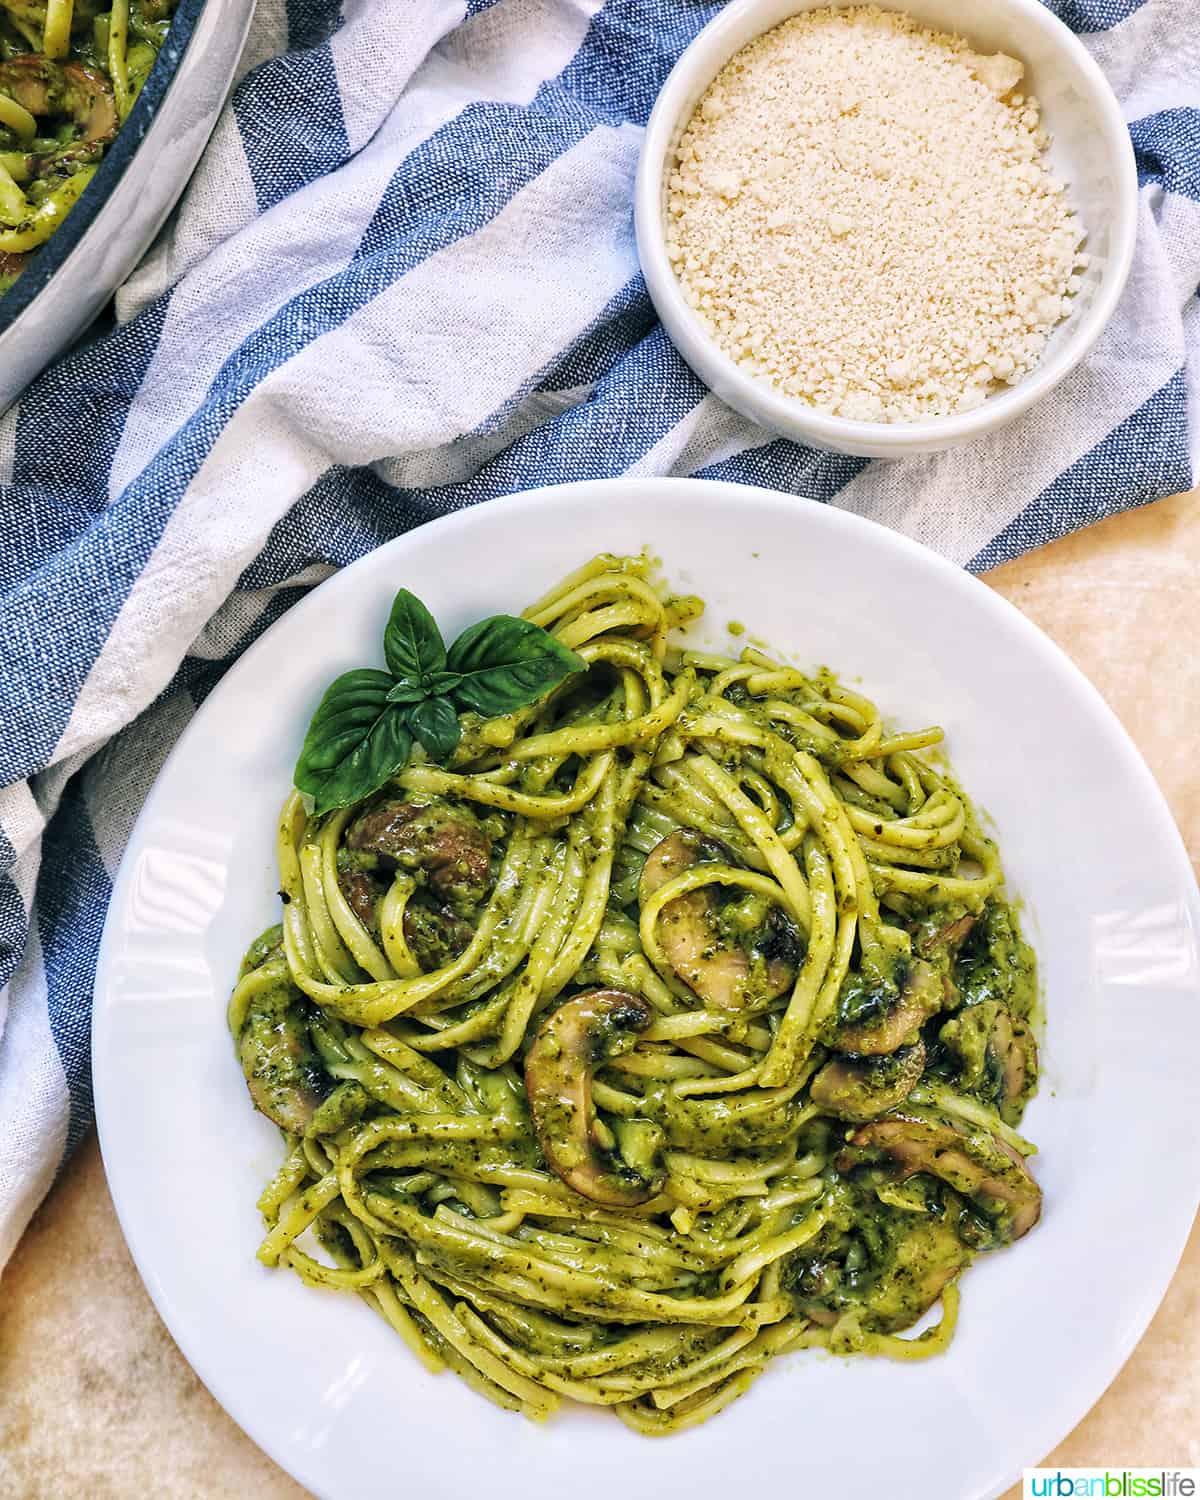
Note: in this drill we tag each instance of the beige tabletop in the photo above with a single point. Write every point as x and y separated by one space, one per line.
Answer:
96 1401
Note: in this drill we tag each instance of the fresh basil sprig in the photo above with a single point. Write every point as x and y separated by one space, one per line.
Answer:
365 725
412 643
504 663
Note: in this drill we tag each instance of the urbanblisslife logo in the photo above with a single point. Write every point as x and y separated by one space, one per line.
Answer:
1112 1484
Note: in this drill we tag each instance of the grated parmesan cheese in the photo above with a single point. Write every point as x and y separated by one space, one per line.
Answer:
861 212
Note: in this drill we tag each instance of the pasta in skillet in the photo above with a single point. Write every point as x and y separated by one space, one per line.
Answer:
70 71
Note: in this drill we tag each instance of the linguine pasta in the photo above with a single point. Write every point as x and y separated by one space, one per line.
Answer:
680 1021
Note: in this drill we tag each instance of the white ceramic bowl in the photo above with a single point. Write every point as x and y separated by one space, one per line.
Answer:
137 184
1091 151
1088 845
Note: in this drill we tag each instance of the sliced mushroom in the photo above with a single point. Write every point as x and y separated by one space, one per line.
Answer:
859 1088
1013 1063
920 997
944 937
585 1032
433 836
362 894
720 970
91 101
45 87
283 1072
939 940
997 1056
997 1178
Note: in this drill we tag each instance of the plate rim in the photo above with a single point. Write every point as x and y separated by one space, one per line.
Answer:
1141 1309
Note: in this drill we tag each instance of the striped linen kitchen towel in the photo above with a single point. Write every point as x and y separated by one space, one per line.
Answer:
403 281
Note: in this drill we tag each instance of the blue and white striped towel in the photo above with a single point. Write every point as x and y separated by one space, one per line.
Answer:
403 281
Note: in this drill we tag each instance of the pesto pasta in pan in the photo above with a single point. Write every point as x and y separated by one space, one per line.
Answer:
637 1014
70 71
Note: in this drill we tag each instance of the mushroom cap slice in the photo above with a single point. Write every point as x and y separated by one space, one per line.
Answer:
936 936
859 1088
997 1056
921 996
997 1177
581 1034
923 1260
719 970
446 842
1013 1057
283 1072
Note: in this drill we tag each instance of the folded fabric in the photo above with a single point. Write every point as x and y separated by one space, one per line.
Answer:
403 281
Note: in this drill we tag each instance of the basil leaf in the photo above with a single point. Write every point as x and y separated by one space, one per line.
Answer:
356 740
507 663
441 683
407 692
412 643
435 723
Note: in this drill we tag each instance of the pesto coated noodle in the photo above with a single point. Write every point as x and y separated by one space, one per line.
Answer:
681 1022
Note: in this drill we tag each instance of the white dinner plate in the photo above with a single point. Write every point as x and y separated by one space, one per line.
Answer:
321 1383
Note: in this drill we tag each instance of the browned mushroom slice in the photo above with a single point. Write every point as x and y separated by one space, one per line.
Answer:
433 930
708 960
935 936
362 894
444 841
75 90
283 1073
90 100
920 997
997 1178
859 1088
583 1033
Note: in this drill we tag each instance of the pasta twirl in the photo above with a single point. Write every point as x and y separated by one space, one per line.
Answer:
680 1021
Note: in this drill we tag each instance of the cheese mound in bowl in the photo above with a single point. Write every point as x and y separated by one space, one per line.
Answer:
860 212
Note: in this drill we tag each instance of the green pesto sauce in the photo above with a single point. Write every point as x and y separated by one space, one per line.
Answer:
998 964
896 1234
884 1263
265 946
